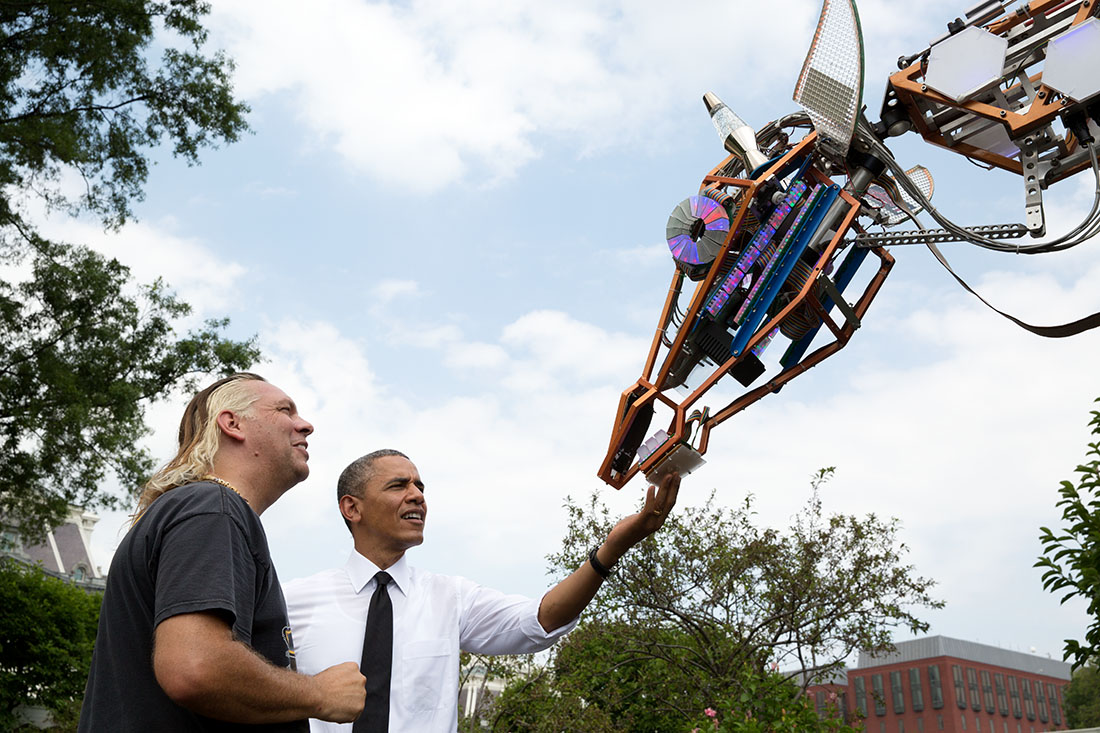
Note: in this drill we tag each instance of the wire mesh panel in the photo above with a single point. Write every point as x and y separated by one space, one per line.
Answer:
830 87
922 178
892 204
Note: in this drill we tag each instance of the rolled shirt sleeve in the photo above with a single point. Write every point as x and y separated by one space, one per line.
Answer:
492 622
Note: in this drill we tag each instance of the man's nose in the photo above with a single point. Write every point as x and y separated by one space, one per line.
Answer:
305 427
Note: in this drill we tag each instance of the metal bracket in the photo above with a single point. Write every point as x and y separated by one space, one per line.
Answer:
1033 190
938 236
838 299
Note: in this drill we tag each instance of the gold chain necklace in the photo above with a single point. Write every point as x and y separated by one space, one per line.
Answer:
226 484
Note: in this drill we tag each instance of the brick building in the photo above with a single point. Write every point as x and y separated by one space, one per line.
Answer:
942 684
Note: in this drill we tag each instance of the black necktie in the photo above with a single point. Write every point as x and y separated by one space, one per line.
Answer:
377 658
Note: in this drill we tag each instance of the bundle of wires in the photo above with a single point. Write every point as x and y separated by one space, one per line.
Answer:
1088 228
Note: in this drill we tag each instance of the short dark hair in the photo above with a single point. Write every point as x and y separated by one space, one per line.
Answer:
358 473
355 477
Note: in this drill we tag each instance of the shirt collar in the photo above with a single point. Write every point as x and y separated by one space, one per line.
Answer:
361 571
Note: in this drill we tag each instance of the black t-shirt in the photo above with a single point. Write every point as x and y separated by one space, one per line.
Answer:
199 547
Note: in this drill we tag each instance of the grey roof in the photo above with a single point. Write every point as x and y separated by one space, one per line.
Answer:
64 549
70 546
836 677
42 554
943 646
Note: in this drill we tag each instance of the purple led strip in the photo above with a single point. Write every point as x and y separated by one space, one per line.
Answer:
759 348
756 246
778 256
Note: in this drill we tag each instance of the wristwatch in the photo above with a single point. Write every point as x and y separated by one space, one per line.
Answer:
598 566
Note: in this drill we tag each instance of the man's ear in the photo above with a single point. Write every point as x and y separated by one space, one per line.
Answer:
349 508
230 425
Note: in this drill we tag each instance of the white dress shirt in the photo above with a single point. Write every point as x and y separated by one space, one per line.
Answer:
434 616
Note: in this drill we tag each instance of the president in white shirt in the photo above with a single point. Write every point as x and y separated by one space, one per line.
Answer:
434 617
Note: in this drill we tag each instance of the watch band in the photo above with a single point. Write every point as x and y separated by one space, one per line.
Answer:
598 566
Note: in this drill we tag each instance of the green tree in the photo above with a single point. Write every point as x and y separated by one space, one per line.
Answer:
772 703
705 613
1082 697
479 670
1071 559
80 90
542 702
91 88
47 631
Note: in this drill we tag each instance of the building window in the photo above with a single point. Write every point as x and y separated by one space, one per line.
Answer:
1029 704
896 692
1014 695
935 688
916 693
962 717
1002 699
861 697
987 692
1042 700
939 721
972 683
960 686
819 703
879 693
920 725
1055 711
901 726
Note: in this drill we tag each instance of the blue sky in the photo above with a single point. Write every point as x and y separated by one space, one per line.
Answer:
448 232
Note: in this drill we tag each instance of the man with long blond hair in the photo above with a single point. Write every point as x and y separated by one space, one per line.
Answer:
193 633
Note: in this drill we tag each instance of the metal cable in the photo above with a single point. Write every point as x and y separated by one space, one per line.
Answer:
1088 227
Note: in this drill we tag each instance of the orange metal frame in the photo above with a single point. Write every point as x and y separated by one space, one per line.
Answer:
917 98
1025 108
648 390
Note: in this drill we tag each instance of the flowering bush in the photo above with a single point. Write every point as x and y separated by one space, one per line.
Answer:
773 704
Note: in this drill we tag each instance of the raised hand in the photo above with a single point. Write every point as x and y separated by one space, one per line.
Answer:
631 530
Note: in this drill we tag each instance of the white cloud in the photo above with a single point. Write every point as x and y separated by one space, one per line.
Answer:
475 356
389 290
425 337
565 349
426 94
265 191
206 280
643 255
494 464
